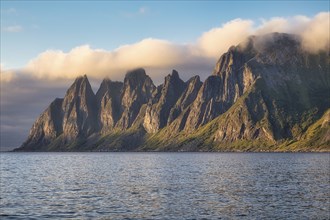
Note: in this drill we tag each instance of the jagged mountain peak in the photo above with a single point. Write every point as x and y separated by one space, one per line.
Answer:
79 110
135 74
137 79
108 102
175 74
194 78
137 91
83 79
157 112
174 80
266 90
80 87
108 86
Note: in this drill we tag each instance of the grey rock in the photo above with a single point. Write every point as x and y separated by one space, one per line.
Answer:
157 112
186 99
265 93
137 90
46 128
80 110
109 104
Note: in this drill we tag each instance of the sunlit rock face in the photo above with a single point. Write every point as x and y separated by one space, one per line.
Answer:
157 112
46 128
137 90
80 110
266 91
109 104
182 106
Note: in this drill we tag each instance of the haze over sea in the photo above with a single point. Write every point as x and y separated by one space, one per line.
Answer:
165 185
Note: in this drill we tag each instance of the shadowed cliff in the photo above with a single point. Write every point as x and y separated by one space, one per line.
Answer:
266 94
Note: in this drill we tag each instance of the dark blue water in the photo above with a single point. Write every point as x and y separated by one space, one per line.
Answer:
165 185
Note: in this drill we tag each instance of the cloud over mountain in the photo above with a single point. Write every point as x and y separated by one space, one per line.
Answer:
217 40
159 56
316 34
153 54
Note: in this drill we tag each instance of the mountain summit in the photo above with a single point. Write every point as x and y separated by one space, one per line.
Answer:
265 94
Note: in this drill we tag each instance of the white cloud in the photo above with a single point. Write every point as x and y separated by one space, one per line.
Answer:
160 56
216 41
313 31
316 35
148 53
276 24
13 29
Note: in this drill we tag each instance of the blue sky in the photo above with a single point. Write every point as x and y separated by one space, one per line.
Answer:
64 25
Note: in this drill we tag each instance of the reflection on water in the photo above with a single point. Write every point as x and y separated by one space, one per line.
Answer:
164 185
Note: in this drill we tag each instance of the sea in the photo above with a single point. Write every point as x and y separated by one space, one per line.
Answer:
164 185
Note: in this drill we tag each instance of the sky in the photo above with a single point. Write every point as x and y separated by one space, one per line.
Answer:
46 44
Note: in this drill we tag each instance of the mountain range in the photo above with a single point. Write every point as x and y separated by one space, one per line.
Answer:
265 94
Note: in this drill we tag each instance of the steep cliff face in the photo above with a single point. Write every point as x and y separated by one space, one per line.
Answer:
293 81
231 78
264 94
293 85
109 104
157 113
235 74
66 120
46 128
207 104
80 110
137 90
178 114
248 119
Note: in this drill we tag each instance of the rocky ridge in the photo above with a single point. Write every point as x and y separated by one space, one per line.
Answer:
266 94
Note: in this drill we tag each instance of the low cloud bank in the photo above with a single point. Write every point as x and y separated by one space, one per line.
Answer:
157 56
160 56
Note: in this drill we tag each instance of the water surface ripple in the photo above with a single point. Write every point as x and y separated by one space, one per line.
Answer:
164 185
